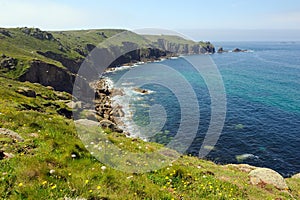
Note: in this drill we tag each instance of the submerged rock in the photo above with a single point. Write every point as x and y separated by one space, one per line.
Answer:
236 50
140 90
242 157
262 176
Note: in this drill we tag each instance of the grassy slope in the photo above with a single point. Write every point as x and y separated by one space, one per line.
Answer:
50 140
174 39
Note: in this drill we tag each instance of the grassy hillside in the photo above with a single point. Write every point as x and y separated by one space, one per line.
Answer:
51 162
42 166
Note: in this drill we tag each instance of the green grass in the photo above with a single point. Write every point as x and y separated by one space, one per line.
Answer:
50 140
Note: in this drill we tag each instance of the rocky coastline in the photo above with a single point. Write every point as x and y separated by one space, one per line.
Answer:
107 113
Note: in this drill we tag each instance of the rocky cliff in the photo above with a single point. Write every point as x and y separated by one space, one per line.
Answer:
54 58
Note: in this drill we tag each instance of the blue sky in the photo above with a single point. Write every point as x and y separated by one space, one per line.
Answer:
198 19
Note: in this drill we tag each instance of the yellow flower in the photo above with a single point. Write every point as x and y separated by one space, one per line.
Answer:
20 184
53 187
90 191
167 177
44 182
86 181
98 187
69 174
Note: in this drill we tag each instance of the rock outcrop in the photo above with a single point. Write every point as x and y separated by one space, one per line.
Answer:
37 33
296 176
59 78
72 64
5 32
7 62
11 134
237 50
178 48
26 92
262 176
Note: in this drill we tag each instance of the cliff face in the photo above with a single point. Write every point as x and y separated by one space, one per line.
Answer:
71 64
181 48
49 75
60 79
32 48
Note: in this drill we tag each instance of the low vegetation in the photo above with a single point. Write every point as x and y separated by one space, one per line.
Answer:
52 162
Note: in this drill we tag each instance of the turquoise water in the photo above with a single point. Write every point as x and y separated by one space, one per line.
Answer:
263 105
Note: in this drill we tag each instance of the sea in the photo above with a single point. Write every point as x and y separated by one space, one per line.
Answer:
261 124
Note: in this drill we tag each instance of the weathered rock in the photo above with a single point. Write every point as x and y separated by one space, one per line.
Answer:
140 90
26 92
63 95
90 47
109 124
221 50
60 79
8 63
37 33
11 134
267 176
236 50
243 167
5 32
297 176
89 114
65 112
75 105
71 64
86 122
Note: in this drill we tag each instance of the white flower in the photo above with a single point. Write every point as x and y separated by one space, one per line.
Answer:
73 155
52 171
103 168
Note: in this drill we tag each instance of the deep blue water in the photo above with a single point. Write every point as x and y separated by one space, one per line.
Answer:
263 105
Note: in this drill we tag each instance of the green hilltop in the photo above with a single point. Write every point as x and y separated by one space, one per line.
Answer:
42 157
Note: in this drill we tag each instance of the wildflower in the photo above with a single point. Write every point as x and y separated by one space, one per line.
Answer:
44 182
53 187
20 184
167 177
52 171
69 174
90 191
103 168
73 155
98 187
86 181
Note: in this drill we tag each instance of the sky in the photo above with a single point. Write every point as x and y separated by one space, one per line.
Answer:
197 19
